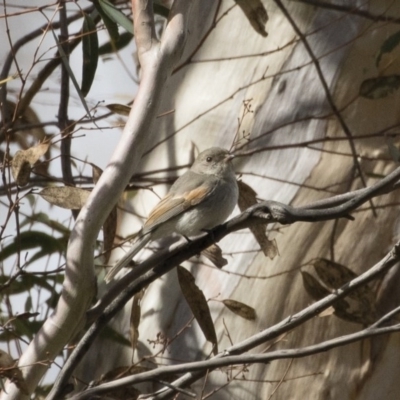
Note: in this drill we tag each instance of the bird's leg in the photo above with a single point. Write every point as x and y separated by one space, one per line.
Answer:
209 232
187 239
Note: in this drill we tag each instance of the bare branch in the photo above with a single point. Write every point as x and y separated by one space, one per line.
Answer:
325 86
163 261
78 288
229 357
351 10
390 260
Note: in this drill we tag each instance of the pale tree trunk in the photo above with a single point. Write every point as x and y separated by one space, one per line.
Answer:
292 103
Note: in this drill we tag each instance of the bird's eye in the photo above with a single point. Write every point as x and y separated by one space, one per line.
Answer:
209 159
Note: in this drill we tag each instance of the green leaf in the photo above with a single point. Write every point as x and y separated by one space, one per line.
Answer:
379 87
116 15
65 61
90 52
44 219
28 304
32 240
388 46
26 282
112 46
52 301
20 285
22 327
110 25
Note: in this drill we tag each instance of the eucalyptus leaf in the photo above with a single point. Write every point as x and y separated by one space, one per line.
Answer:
116 15
90 53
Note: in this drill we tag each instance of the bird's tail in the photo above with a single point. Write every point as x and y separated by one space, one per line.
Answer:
125 260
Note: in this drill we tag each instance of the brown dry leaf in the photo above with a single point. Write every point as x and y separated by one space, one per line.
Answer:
313 287
110 224
358 307
327 313
335 275
241 309
96 173
198 305
256 14
135 318
109 231
269 247
20 168
354 312
8 369
68 197
247 198
214 254
6 361
24 160
332 274
34 153
120 109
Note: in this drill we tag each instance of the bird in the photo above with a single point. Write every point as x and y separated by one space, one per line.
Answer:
201 199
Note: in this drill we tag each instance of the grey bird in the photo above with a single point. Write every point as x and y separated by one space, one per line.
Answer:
202 198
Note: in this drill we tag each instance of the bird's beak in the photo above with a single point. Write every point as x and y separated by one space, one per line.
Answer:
229 157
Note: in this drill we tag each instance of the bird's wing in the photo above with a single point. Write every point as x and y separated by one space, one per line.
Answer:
126 259
174 203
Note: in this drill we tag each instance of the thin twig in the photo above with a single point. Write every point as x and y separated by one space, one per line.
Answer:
328 94
223 361
351 10
162 262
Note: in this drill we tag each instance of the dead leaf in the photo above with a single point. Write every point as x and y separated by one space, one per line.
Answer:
110 224
313 287
34 153
96 173
120 109
24 160
214 254
109 231
9 369
351 312
332 274
327 313
358 307
21 168
247 198
256 14
71 198
198 305
335 275
6 361
135 318
241 309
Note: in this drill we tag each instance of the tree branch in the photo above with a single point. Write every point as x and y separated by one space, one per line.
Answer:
390 260
78 288
163 261
230 357
328 94
351 10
